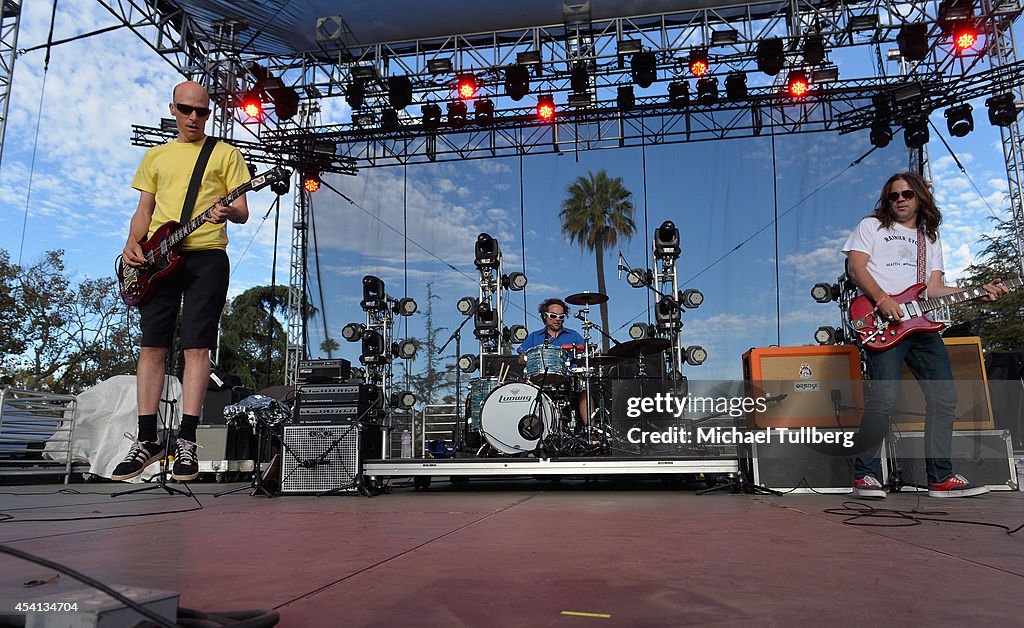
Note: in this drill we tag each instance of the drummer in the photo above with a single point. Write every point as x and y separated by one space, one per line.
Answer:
554 312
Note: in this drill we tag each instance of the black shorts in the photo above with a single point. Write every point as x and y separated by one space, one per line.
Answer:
202 278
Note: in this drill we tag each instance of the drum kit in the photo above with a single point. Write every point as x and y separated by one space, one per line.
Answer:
538 413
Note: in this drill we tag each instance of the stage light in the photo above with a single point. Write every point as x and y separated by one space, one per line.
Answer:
908 91
814 49
825 75
311 182
770 56
355 94
483 112
915 132
698 63
372 348
517 81
363 118
579 100
666 241
441 65
797 84
865 22
825 335
725 37
678 93
431 116
252 105
389 120
1002 110
695 355
487 253
514 281
374 297
466 305
691 298
466 86
468 363
822 292
959 120
457 113
707 90
952 12
625 98
406 349
625 47
353 331
639 277
399 91
517 334
403 400
281 186
643 68
638 331
546 107
736 86
579 78
667 315
485 322
528 57
965 35
913 41
406 306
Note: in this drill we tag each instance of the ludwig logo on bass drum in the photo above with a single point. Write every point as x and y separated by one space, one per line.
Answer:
514 398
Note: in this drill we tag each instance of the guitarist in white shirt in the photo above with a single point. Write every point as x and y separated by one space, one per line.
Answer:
885 258
163 179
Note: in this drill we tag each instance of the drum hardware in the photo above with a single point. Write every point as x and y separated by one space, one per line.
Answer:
637 348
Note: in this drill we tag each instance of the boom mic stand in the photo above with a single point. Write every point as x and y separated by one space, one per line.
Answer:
167 421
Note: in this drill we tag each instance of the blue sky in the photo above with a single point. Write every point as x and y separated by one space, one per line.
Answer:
719 195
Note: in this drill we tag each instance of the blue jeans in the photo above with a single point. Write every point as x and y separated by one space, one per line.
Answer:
926 356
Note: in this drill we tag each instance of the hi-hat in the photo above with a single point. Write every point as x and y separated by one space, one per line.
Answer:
586 298
637 348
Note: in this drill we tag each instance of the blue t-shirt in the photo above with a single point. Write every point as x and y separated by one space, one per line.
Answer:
565 337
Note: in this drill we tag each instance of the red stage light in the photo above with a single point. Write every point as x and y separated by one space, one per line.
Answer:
798 84
311 182
546 107
699 62
467 86
252 106
964 37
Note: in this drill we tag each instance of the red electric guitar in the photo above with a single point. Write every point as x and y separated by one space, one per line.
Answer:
136 282
876 333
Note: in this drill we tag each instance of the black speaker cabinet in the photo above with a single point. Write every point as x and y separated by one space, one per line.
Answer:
807 467
321 458
622 391
982 456
1006 384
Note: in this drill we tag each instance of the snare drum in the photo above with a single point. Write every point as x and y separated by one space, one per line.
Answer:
514 420
546 365
479 388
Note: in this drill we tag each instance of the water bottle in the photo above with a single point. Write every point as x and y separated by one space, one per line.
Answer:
407 444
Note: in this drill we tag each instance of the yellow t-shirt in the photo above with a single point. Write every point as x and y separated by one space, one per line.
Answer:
166 171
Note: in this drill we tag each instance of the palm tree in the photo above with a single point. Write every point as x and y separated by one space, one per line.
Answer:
597 211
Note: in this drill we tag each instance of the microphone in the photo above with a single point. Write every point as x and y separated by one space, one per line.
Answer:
621 267
578 314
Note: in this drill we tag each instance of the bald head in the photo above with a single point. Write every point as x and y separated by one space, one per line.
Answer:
190 90
190 106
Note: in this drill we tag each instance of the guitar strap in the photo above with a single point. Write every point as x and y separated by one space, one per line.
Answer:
921 259
197 179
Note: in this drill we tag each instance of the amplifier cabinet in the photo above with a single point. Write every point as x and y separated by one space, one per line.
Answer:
323 371
333 448
807 382
974 405
982 456
809 467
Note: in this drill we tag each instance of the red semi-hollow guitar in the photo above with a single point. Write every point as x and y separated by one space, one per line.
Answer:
136 282
876 333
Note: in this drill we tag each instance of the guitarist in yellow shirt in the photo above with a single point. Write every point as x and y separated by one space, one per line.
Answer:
163 179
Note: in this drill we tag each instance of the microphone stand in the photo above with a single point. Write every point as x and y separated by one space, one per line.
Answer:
457 337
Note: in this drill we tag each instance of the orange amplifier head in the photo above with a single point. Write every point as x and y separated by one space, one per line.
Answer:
802 386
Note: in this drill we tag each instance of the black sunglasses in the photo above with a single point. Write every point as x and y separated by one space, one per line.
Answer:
895 196
186 110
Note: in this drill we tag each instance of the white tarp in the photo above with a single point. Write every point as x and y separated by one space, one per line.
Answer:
105 412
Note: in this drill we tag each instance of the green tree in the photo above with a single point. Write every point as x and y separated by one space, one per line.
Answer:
329 346
1000 323
596 212
432 384
252 340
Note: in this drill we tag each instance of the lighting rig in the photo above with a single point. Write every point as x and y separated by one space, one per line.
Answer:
843 292
668 311
378 347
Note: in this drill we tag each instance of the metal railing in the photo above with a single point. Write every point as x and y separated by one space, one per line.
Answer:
33 424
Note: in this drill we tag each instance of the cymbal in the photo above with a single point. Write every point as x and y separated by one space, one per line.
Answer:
586 298
637 348
604 360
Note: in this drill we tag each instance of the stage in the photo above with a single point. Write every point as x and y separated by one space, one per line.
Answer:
530 552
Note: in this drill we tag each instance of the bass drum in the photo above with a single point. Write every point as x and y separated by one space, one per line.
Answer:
514 420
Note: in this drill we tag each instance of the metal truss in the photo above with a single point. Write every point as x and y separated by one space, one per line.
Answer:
10 18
